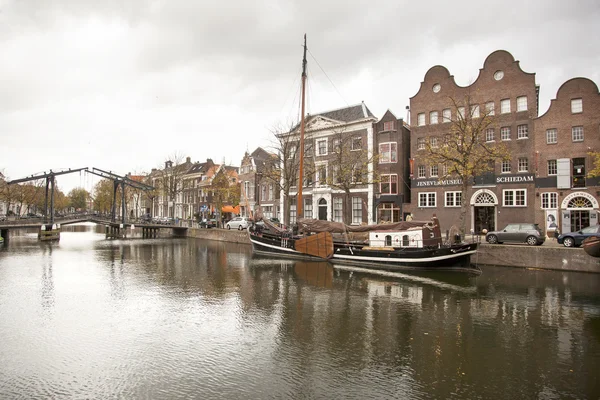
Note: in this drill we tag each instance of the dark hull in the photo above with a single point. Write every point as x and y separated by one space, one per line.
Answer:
591 246
456 257
443 258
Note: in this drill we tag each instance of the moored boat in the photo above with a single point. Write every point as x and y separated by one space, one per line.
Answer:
591 246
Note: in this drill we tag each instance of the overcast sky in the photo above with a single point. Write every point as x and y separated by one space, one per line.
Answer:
122 85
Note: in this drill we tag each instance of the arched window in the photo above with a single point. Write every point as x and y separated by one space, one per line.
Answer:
388 240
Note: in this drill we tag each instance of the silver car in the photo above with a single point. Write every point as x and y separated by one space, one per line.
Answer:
520 233
237 223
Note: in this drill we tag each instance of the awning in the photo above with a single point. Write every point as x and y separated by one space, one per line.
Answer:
231 209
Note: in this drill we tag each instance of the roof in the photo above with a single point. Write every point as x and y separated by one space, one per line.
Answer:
348 114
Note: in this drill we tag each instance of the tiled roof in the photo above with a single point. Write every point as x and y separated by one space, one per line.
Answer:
348 114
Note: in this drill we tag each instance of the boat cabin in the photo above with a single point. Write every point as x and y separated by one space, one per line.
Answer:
411 238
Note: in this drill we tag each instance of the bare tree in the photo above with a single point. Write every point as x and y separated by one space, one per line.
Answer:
464 152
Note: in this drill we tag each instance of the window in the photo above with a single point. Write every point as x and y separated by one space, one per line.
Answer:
453 199
523 164
522 103
550 200
505 167
489 107
308 150
522 132
433 141
577 133
293 211
356 210
322 147
271 191
433 117
504 106
515 197
421 171
336 174
461 112
433 170
356 174
308 208
444 170
489 135
427 199
388 152
505 133
421 143
356 143
337 209
420 119
551 136
475 111
388 184
576 106
322 175
552 167
446 115
336 145
388 126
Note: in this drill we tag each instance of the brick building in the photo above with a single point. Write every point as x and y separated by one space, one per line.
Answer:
497 198
564 137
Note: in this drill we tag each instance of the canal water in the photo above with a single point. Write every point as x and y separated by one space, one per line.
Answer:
88 318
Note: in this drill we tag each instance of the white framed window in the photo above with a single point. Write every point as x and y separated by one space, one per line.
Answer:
388 126
576 106
522 103
356 210
505 168
504 106
292 152
453 199
388 184
322 147
489 135
321 177
308 208
577 133
433 171
490 108
552 167
475 111
461 112
421 143
293 211
308 149
550 200
444 170
427 199
356 174
388 152
335 170
337 209
514 197
271 191
523 132
446 115
523 164
336 145
421 119
433 117
356 143
421 171
551 136
505 133
433 141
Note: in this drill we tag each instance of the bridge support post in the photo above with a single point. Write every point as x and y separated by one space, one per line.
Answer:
49 232
4 234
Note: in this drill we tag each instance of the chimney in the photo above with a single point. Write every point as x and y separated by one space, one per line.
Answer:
188 160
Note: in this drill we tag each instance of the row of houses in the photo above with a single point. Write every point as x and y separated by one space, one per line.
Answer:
385 176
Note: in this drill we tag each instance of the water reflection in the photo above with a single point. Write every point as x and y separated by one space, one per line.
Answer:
183 318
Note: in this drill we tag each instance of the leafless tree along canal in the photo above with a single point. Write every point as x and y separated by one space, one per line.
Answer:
184 318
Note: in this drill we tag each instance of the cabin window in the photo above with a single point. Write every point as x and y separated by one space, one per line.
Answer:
388 240
405 241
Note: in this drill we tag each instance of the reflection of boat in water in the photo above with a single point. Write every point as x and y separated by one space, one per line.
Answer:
318 274
591 246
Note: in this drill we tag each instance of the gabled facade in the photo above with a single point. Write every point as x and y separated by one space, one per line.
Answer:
392 191
566 198
168 182
323 132
193 195
256 189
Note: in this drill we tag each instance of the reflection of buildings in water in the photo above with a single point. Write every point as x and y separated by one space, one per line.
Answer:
117 261
411 294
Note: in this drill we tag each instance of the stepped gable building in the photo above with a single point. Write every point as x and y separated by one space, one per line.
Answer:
564 137
392 136
508 193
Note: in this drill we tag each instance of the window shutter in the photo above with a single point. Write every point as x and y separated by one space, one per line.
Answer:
563 178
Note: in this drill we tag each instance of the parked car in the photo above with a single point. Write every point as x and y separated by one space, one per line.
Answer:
237 223
208 223
146 218
519 233
574 239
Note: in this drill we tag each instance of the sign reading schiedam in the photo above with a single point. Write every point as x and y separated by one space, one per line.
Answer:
436 182
527 178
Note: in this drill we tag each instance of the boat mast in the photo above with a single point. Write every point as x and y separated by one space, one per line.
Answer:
299 204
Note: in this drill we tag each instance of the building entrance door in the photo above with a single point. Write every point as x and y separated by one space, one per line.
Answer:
579 220
323 209
484 218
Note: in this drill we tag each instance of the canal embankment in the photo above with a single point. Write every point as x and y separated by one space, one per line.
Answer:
550 255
